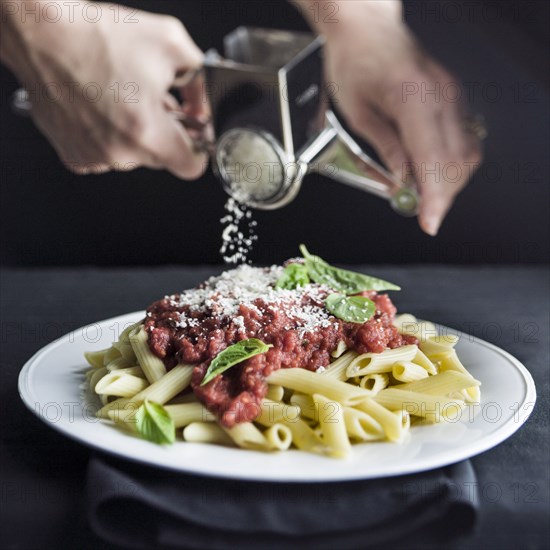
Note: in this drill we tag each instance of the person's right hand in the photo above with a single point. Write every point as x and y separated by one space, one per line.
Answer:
112 110
372 58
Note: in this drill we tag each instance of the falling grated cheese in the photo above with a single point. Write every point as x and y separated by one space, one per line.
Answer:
239 234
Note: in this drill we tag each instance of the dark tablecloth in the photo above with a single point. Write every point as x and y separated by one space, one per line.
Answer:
43 474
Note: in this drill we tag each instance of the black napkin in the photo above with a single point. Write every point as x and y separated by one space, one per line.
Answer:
141 507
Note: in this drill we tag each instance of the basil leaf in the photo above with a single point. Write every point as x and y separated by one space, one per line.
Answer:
294 276
154 423
348 282
233 355
354 309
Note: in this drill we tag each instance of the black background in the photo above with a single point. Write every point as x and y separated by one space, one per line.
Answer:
51 217
48 216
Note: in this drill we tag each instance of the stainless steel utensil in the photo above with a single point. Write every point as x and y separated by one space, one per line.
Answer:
273 125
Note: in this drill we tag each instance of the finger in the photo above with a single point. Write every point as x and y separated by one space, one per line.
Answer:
421 127
174 150
178 43
185 54
464 146
188 59
88 168
383 136
79 157
195 99
171 103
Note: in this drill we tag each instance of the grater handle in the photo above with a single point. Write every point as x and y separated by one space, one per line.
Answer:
335 154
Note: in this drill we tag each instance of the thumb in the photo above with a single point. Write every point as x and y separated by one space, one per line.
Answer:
175 150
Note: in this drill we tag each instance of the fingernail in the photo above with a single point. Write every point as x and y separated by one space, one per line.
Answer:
431 225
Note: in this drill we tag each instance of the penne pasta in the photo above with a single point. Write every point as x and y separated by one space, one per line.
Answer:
420 404
121 385
206 432
95 358
96 376
111 354
104 399
124 418
124 337
374 382
372 363
160 391
186 413
308 382
472 394
272 412
152 366
421 359
303 436
340 349
436 350
394 426
275 393
409 325
279 437
182 398
338 368
407 371
306 405
247 436
125 349
333 427
119 363
134 371
362 427
445 339
444 383
453 363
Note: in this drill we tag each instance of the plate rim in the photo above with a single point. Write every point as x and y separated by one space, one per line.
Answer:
443 459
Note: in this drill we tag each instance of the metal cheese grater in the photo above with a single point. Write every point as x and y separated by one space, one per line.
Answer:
273 123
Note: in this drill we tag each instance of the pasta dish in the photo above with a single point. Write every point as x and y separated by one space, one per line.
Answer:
304 355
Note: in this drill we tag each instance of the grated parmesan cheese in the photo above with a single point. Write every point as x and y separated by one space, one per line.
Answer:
222 296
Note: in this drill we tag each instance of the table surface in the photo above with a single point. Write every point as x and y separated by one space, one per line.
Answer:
43 473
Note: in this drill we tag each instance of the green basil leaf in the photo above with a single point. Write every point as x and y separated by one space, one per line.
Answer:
354 309
294 276
154 423
348 282
233 355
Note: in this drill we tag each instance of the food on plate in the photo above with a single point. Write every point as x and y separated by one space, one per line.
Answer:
304 355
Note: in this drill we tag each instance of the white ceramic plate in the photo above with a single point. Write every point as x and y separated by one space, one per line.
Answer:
50 384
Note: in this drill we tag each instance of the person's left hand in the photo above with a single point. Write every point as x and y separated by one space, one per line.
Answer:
129 119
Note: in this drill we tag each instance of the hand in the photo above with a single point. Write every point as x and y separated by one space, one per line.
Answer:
109 106
381 76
